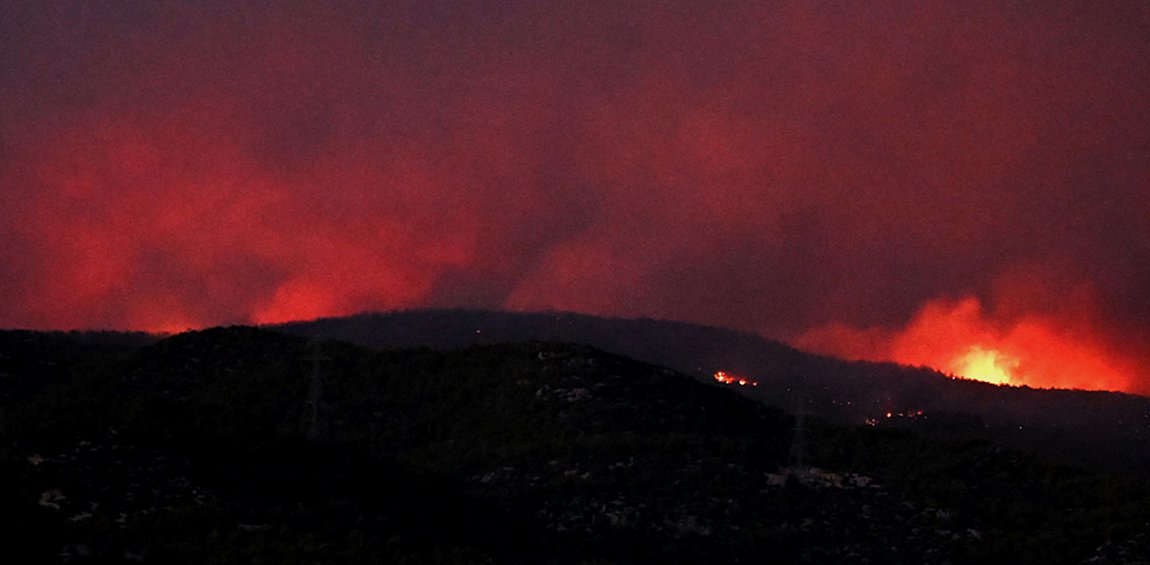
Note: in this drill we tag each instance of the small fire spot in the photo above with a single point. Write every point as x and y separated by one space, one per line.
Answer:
729 379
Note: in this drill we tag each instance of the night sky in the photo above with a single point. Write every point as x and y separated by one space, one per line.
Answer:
960 184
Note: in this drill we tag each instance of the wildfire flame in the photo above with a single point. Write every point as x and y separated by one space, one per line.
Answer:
729 379
983 364
959 338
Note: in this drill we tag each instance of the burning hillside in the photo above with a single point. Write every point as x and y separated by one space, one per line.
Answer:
959 338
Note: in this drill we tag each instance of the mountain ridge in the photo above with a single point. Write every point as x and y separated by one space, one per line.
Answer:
196 448
1079 427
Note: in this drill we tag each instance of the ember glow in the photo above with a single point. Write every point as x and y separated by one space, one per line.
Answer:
796 169
729 379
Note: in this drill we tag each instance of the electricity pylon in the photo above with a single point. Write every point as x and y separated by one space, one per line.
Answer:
797 456
313 413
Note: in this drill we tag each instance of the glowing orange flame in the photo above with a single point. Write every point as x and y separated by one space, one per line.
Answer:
729 379
984 365
957 338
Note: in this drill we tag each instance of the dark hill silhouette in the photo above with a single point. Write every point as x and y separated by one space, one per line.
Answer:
196 448
1106 429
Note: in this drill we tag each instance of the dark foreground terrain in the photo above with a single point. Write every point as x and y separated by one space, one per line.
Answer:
1103 430
243 445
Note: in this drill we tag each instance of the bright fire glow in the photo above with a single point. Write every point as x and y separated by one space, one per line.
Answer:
729 379
984 365
958 338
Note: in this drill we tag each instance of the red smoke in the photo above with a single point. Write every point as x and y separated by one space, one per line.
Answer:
783 167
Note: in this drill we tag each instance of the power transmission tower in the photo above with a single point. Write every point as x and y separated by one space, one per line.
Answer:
313 413
797 456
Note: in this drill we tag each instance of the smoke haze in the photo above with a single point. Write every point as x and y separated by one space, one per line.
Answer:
880 180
